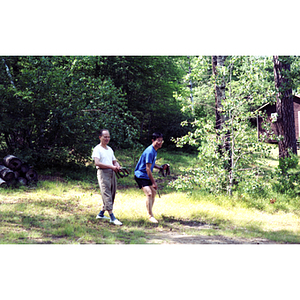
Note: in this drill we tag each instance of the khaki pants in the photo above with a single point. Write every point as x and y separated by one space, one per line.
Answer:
107 183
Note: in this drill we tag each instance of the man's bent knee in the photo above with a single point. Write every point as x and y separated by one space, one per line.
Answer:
149 191
153 192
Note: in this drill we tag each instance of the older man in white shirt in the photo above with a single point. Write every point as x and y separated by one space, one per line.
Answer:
107 166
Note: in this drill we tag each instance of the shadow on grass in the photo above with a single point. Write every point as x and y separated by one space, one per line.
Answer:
17 227
62 226
191 223
227 232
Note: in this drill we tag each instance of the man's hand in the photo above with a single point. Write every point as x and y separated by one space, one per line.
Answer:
154 185
115 168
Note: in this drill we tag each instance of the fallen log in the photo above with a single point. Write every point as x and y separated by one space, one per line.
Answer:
31 175
12 162
6 174
17 174
22 180
13 170
24 168
3 182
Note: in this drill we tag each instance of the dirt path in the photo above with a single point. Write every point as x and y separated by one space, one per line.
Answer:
175 234
175 238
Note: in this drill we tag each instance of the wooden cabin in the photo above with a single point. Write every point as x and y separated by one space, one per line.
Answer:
271 113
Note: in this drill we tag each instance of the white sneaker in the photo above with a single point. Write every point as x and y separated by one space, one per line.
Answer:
116 222
153 220
104 217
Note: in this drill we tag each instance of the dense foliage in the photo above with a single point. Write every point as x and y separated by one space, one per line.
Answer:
149 84
53 107
230 155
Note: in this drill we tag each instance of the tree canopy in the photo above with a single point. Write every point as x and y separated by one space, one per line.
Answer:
228 147
52 107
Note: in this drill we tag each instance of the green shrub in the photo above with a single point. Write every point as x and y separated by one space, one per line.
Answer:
287 175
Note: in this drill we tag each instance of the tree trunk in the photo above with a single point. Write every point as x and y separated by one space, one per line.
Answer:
191 84
8 73
220 85
284 107
218 61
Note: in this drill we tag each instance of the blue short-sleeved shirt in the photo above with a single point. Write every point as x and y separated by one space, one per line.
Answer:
148 156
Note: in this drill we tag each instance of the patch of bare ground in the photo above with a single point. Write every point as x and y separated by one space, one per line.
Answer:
176 234
179 238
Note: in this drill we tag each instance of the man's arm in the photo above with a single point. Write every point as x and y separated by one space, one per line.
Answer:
116 164
99 164
149 173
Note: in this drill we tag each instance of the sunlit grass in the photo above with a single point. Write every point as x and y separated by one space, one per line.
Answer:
60 213
65 212
67 215
227 214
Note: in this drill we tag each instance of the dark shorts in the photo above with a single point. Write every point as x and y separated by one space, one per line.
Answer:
143 182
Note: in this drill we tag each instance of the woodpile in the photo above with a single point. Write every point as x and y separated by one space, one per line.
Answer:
13 171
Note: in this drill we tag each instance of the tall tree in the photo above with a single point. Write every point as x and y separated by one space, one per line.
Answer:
218 66
191 84
218 63
284 106
231 156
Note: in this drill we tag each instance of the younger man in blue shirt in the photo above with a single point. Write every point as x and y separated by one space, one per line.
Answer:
143 173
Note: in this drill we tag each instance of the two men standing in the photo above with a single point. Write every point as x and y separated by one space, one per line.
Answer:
107 166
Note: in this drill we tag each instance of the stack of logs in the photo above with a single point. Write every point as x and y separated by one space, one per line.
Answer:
13 171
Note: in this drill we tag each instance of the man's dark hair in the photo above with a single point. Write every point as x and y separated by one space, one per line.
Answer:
157 135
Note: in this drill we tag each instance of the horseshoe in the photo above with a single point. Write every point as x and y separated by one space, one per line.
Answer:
123 172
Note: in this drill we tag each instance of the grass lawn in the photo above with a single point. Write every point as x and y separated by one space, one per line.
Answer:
60 211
